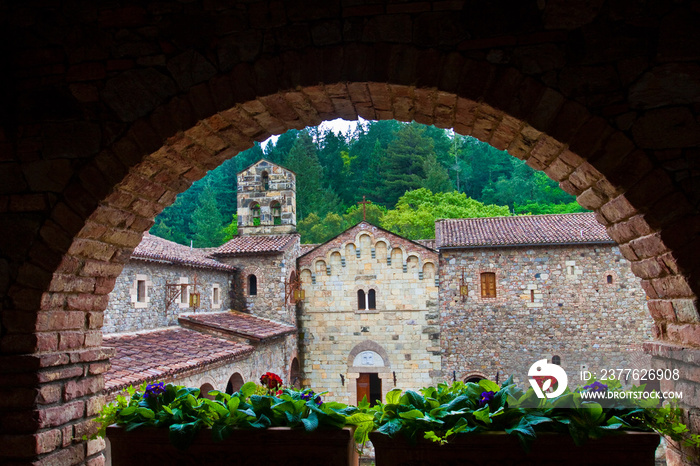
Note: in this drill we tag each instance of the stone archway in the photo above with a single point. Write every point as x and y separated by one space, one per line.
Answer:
99 138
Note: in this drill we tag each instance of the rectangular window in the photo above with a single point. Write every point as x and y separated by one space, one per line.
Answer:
532 296
141 291
183 294
488 285
216 296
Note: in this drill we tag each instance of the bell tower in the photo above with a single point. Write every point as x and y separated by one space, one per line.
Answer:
267 203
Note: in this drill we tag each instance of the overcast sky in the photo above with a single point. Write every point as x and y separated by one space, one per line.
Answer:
336 125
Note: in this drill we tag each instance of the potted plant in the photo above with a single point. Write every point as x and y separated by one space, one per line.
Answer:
257 425
491 424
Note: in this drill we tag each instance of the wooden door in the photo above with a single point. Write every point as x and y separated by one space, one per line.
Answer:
363 388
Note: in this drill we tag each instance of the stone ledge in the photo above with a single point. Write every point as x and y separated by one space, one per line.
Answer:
688 355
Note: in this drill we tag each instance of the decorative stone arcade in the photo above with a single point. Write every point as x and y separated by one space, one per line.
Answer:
110 110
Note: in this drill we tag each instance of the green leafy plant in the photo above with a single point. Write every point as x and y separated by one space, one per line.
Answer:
185 413
438 413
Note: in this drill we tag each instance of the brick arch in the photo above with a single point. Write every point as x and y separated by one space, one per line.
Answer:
577 92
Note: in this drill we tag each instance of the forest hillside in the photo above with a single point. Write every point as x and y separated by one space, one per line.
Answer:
412 174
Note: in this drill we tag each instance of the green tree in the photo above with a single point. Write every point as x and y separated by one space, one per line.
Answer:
436 179
313 229
405 160
416 212
230 230
207 221
312 196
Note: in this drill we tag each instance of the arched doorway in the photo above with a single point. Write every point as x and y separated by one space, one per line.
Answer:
205 389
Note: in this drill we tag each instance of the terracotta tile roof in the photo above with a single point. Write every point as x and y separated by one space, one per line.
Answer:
155 248
240 324
522 230
161 354
256 244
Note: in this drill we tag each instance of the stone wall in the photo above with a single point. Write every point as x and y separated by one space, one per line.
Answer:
271 272
401 335
125 314
554 300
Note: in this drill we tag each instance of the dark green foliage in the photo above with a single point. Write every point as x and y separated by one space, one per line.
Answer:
381 160
207 220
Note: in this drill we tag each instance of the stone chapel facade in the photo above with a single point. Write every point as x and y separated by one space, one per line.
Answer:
368 310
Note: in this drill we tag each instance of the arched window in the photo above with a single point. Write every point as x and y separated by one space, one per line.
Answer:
473 379
360 299
204 391
295 374
265 181
372 299
488 285
252 285
276 211
556 360
610 279
235 382
255 213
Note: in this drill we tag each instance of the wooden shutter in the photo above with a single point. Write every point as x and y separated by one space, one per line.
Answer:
488 285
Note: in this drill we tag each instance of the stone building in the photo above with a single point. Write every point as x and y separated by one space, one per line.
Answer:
368 310
369 320
158 332
517 289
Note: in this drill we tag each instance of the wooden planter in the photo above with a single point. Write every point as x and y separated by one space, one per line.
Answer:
499 448
274 446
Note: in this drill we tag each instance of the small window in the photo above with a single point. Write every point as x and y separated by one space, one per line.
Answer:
265 181
556 360
371 297
610 279
532 296
360 299
215 296
276 211
474 379
252 285
141 291
488 285
183 294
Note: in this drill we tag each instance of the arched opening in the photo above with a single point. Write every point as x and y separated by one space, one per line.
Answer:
255 214
276 212
205 389
295 374
571 129
371 299
609 279
361 301
265 181
473 379
252 285
235 382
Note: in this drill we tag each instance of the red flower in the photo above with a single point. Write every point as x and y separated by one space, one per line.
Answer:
271 380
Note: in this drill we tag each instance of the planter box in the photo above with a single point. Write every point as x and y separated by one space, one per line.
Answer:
274 446
499 448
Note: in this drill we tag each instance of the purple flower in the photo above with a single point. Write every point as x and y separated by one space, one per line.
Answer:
596 387
310 395
154 389
486 397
